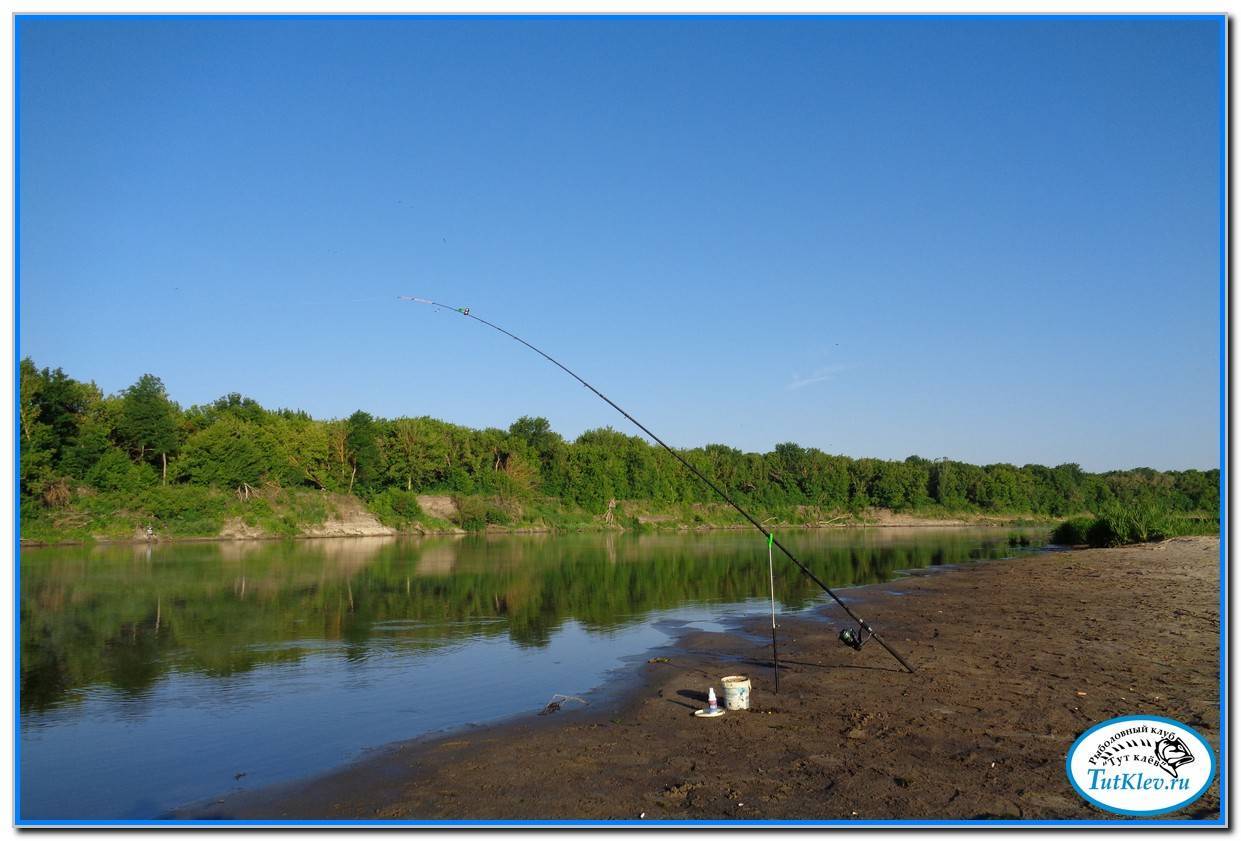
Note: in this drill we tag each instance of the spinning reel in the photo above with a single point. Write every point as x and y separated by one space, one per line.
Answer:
856 639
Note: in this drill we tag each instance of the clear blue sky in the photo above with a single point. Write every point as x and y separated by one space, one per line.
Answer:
987 239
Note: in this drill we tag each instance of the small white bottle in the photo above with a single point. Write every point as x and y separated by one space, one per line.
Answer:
712 704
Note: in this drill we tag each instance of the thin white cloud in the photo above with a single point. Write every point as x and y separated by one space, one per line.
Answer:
817 376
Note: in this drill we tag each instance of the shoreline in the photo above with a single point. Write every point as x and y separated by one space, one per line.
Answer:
1011 668
895 521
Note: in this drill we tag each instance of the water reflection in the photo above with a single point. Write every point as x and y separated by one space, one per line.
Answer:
152 675
126 616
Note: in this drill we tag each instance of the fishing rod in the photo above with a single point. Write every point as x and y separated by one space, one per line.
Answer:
851 638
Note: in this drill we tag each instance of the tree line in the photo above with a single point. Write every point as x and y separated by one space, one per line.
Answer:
76 440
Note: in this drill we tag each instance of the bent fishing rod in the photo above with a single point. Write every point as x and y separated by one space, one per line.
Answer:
850 638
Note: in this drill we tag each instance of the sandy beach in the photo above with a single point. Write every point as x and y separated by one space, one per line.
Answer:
1014 660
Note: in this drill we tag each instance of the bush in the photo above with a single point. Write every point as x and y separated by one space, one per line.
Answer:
1072 532
187 510
497 515
115 472
476 513
1107 531
1137 522
231 452
396 508
471 513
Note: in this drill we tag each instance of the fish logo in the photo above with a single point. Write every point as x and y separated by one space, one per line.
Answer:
1173 753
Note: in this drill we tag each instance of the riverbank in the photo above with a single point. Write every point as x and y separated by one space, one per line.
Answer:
285 514
1015 659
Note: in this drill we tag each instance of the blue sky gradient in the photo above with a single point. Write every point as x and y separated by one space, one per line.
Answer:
991 239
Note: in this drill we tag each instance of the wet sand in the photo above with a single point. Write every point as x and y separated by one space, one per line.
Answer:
1015 659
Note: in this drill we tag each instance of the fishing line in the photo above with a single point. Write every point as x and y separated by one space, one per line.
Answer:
848 636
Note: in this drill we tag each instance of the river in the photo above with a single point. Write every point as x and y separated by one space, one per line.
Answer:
158 675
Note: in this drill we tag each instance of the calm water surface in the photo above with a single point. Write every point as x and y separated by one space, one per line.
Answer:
152 676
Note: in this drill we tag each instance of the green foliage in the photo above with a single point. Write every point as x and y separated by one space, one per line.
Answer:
147 425
187 510
471 513
303 507
1115 526
306 452
232 405
50 409
35 452
57 402
72 437
1141 522
476 513
231 452
413 450
115 472
395 507
537 435
497 515
89 446
361 438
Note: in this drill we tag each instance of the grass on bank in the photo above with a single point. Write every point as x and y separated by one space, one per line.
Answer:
173 511
181 511
83 513
1118 525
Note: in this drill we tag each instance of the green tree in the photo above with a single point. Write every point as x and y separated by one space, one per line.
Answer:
790 468
305 449
92 441
890 486
946 484
114 471
36 439
537 434
60 402
409 455
148 422
52 408
361 440
232 452
233 404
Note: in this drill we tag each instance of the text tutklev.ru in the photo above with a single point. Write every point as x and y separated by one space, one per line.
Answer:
1136 781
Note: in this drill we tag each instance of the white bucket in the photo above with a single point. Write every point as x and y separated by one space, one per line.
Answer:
736 692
